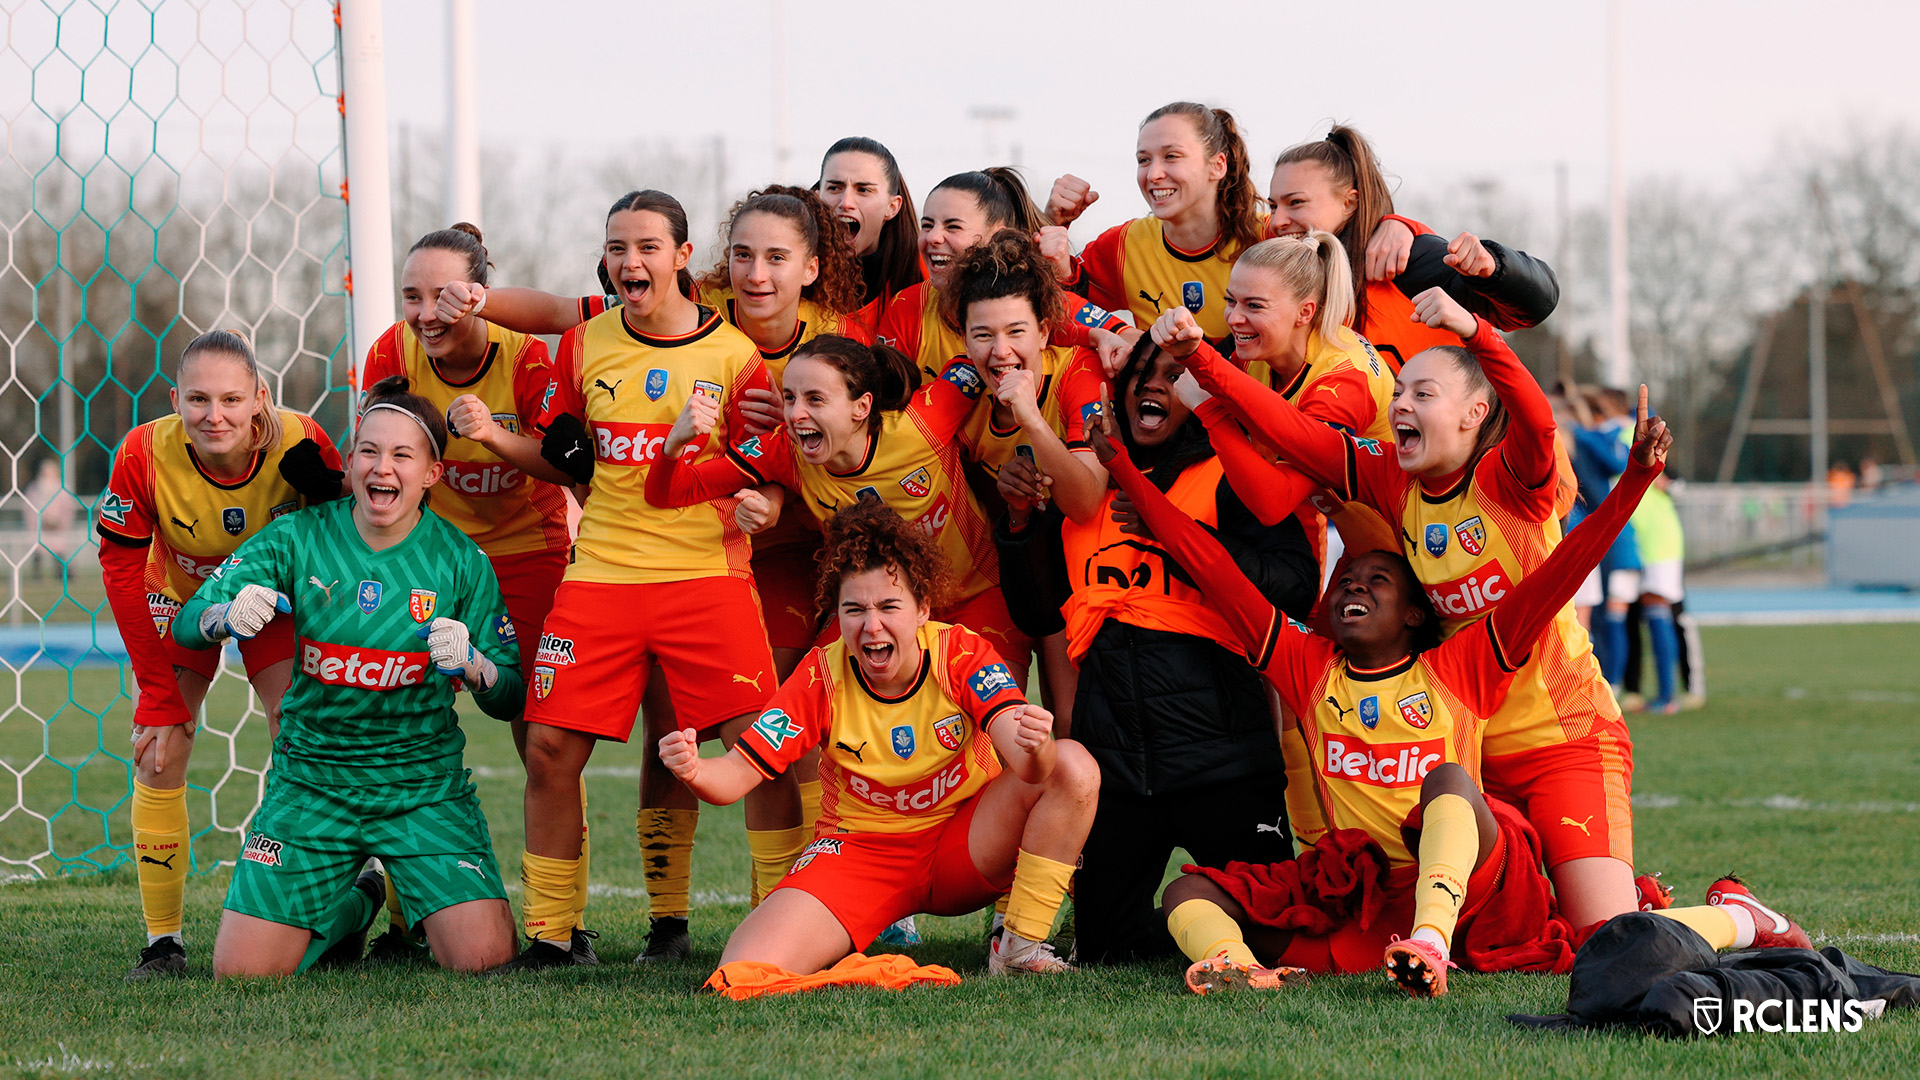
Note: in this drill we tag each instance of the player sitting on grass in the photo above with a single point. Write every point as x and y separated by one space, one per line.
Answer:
914 719
1392 719
394 609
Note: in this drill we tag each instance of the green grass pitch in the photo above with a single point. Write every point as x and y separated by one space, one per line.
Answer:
1803 774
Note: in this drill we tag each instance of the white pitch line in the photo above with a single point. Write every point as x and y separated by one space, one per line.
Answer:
703 898
1648 800
1866 939
1805 618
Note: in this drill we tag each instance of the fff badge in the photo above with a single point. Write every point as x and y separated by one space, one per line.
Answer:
1436 540
369 596
1193 296
1370 712
903 743
656 384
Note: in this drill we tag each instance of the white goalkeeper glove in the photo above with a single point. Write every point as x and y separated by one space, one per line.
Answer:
245 615
451 648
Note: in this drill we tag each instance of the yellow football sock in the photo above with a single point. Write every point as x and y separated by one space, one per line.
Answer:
394 916
1202 929
580 876
773 853
161 840
1449 843
1712 923
1039 887
547 910
666 851
809 804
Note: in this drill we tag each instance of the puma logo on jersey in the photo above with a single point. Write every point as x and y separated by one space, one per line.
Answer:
1274 828
1001 634
1454 896
753 682
797 613
851 750
462 864
813 677
1332 389
326 589
1581 825
166 862
609 389
184 525
1340 710
1158 302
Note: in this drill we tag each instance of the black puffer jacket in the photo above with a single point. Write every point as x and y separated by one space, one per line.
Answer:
1161 711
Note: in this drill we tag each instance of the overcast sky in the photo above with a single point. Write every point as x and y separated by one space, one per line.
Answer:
1447 91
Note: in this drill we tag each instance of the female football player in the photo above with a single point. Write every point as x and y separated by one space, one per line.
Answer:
944 788
185 491
1472 485
861 183
487 381
1192 168
394 609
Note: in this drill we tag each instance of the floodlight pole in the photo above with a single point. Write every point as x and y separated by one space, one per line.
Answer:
463 134
369 184
1619 367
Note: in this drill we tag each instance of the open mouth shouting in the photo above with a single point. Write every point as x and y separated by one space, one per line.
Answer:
812 442
877 656
632 289
852 223
1353 608
1406 439
1151 414
382 497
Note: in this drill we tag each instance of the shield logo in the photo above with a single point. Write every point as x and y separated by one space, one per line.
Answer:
420 604
161 623
1370 712
509 421
656 384
902 741
287 507
1472 535
917 484
234 520
1706 1016
1091 315
504 631
868 493
369 594
542 682
948 730
1193 296
1436 540
1416 710
712 389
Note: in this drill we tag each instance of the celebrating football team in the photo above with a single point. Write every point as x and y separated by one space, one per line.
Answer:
999 570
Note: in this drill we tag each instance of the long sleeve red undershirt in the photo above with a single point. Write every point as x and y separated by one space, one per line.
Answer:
123 573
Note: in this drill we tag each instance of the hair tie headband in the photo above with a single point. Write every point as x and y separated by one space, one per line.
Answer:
432 443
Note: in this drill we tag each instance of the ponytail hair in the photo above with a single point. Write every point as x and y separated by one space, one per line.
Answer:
1494 427
1350 163
265 423
1311 267
890 375
837 287
1008 263
870 535
463 239
396 391
899 247
1002 196
667 207
1236 202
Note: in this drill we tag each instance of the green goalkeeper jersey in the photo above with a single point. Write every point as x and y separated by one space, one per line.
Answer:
366 703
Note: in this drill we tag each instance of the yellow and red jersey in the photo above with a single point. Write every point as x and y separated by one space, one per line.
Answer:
913 464
912 324
628 388
889 765
504 511
1344 383
1133 268
1071 380
159 496
814 321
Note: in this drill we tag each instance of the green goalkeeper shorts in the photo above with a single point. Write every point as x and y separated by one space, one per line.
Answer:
307 845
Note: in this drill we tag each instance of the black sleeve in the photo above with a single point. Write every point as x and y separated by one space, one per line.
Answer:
1522 292
1033 573
1278 559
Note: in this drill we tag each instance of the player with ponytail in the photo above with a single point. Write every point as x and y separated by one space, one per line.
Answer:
861 183
185 491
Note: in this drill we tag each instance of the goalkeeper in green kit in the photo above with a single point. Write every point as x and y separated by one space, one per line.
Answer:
395 610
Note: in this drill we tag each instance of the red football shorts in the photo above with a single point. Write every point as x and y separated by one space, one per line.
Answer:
602 641
785 577
872 880
271 645
528 583
1577 795
985 614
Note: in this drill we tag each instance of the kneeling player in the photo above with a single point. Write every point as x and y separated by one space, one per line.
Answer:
368 763
913 719
1391 718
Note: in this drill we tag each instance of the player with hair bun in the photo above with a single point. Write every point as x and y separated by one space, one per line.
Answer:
488 381
861 183
944 788
185 491
395 611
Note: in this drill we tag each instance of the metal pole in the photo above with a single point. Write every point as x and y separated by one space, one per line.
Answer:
1817 375
1619 348
781 151
363 90
463 137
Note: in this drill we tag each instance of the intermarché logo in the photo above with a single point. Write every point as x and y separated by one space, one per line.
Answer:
1774 1014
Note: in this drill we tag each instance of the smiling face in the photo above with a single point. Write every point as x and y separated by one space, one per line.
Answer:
951 223
1435 416
1174 170
1263 313
1004 335
880 621
392 467
768 264
1303 196
1154 412
424 274
1373 609
854 186
823 418
642 259
216 399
